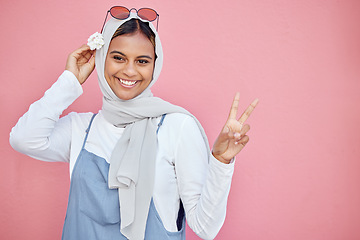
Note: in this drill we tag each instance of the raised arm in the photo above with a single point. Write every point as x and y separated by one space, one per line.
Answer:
39 133
204 185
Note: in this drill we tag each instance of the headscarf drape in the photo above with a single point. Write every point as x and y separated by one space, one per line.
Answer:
132 163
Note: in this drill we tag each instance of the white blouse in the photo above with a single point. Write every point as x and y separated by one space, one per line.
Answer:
183 169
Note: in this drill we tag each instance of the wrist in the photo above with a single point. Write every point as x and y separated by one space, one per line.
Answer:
221 159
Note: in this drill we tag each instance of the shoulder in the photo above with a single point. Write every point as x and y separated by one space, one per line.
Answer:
178 121
179 118
79 120
180 125
80 117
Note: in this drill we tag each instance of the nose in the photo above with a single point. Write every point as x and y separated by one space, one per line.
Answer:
129 69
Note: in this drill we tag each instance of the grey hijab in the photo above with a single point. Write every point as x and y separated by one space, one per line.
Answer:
132 162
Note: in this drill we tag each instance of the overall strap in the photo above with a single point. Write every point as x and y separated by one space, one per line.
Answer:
88 129
161 122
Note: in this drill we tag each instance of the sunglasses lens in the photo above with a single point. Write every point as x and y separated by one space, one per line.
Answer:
119 12
147 14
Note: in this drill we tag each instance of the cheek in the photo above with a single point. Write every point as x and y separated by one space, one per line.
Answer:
110 69
108 72
150 73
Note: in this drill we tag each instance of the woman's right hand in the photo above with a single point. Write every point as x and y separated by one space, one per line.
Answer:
81 63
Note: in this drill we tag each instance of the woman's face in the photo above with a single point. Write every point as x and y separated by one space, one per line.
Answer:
129 65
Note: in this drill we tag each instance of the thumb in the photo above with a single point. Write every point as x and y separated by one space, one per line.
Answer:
92 61
222 140
224 134
87 69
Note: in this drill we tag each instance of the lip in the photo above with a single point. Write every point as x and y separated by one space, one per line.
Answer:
121 82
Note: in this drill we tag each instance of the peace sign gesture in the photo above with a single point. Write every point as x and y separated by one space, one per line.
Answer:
232 137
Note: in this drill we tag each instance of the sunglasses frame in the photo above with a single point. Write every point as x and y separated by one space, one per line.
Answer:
129 10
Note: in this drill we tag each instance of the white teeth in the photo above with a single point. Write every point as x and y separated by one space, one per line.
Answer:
128 83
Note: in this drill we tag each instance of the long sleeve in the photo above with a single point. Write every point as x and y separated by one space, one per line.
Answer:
40 133
184 169
203 183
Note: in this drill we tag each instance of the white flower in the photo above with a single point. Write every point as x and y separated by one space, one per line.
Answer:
96 41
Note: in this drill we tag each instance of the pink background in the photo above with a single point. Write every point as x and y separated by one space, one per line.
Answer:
298 178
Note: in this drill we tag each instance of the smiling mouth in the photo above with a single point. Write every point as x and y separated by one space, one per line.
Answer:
128 83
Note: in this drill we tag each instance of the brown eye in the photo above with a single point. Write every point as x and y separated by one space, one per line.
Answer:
118 58
141 61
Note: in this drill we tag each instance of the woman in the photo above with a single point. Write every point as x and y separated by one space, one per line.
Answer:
141 162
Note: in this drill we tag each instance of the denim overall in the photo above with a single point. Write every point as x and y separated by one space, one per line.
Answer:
93 208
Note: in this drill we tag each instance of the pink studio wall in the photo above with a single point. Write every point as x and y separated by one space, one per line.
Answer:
298 178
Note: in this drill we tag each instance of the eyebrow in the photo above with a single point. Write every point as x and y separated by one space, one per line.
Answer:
118 52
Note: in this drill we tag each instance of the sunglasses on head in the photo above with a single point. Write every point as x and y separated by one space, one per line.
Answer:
121 13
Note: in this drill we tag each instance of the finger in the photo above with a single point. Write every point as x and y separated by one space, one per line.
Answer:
83 47
248 111
243 141
225 134
81 51
89 67
234 106
221 142
243 132
92 61
84 57
244 129
85 51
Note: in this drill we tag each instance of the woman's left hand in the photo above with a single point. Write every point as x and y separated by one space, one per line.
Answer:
232 138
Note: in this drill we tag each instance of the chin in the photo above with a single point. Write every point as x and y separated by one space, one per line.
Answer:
126 96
